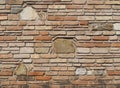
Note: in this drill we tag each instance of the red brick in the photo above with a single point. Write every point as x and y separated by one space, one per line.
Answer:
36 73
7 38
43 38
6 73
101 38
43 78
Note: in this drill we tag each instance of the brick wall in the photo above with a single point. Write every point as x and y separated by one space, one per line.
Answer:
59 44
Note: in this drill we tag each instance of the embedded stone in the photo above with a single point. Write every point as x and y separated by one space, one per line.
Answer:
29 13
64 46
101 26
116 26
21 70
80 71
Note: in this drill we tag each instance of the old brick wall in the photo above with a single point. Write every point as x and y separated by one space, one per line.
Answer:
59 43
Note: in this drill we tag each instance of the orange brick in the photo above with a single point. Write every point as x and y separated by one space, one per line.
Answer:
6 73
17 82
115 44
7 38
83 22
44 33
5 56
14 28
113 73
101 38
3 17
43 38
36 73
43 78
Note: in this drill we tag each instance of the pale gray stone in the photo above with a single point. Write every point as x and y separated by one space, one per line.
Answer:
80 71
29 13
116 26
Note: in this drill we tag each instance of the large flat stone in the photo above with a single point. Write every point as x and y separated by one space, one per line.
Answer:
63 46
29 13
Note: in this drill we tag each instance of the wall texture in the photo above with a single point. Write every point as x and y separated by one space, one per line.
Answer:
59 43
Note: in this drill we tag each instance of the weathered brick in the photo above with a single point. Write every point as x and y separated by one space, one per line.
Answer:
86 18
22 56
43 50
56 6
48 56
6 73
2 1
36 73
25 50
61 18
25 38
3 18
7 38
79 2
14 2
83 50
99 50
13 17
43 38
14 28
103 17
29 33
43 28
10 23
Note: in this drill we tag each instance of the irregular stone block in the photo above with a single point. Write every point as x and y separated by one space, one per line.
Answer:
80 71
64 46
116 26
21 70
101 26
29 13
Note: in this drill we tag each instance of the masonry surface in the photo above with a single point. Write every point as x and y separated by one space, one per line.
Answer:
59 43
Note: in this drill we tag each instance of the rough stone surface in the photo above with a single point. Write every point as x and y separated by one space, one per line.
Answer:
80 71
21 69
101 26
116 26
29 13
64 46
